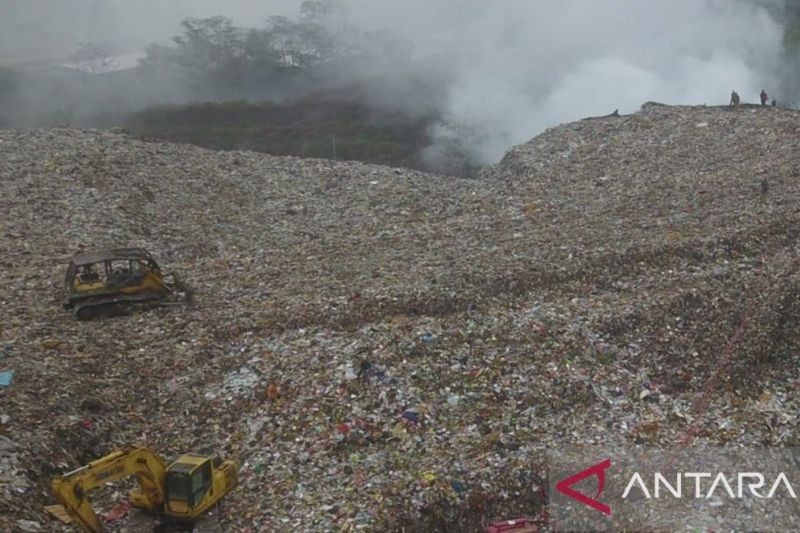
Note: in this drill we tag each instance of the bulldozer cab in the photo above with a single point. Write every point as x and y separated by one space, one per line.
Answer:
125 273
190 484
111 270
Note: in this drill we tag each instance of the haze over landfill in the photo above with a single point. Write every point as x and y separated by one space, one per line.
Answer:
420 262
508 69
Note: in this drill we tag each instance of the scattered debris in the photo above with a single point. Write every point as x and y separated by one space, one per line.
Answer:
518 525
29 526
329 350
118 512
59 512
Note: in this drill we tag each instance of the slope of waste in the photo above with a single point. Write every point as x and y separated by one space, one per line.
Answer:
384 349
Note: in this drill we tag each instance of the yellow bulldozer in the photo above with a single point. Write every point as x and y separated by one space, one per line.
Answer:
180 492
110 282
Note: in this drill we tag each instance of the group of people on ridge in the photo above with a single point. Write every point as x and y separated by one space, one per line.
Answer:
764 99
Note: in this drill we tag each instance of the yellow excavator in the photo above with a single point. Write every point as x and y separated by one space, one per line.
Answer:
181 491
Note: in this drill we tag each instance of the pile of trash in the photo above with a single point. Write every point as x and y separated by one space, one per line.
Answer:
382 348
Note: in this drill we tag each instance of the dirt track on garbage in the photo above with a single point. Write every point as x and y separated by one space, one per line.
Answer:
595 274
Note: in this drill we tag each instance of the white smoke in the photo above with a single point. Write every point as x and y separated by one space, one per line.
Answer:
522 66
512 67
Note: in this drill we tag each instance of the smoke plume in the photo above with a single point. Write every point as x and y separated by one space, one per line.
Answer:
502 70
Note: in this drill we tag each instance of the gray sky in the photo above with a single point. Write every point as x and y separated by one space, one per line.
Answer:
37 29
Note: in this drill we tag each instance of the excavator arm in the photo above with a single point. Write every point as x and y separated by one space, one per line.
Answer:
72 489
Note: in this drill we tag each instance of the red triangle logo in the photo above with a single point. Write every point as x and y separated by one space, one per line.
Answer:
565 486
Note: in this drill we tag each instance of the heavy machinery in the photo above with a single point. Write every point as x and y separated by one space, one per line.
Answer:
181 492
109 282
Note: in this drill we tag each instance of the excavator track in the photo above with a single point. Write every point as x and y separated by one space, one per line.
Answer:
205 524
140 521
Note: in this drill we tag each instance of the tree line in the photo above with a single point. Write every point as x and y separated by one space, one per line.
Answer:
217 53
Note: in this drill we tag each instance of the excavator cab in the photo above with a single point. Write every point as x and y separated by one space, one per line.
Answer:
189 481
193 483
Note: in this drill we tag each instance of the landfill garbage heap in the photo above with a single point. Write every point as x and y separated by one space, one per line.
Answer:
384 348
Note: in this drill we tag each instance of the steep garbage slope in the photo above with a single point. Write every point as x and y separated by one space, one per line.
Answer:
381 347
691 172
701 201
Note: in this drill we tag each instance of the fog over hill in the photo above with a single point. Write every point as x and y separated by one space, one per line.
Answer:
504 70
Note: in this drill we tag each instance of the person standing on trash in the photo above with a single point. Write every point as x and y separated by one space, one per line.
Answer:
734 99
764 97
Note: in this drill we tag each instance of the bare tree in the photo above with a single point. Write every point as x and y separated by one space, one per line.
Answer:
94 58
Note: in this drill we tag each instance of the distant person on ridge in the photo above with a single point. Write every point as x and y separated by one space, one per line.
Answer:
764 97
774 103
734 99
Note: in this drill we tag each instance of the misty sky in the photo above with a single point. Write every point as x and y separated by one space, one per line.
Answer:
518 65
42 28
